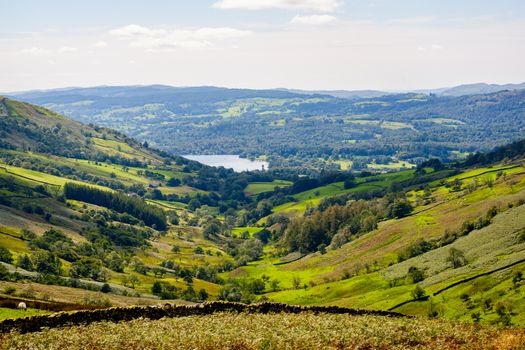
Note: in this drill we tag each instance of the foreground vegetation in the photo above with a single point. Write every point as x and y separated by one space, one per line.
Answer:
271 331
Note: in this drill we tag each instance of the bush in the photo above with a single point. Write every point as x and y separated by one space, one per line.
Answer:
5 255
9 290
415 275
457 258
92 300
418 293
106 288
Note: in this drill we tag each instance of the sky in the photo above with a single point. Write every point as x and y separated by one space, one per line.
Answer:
301 44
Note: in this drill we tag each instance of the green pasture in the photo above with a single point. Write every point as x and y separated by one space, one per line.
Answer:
6 313
255 188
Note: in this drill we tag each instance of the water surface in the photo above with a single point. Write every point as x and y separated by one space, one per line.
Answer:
234 162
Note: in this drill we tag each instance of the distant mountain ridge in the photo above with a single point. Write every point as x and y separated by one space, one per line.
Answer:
478 88
164 91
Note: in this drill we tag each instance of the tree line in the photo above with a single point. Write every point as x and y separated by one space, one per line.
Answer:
150 215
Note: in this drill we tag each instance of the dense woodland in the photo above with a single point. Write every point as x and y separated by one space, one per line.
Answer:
296 131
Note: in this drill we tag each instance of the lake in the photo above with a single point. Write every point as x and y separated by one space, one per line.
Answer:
234 162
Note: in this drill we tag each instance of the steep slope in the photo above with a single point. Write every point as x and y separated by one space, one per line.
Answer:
484 220
98 240
32 128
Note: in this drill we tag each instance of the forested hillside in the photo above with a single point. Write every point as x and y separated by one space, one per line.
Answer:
296 130
91 218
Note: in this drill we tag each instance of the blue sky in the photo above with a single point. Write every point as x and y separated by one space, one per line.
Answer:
309 44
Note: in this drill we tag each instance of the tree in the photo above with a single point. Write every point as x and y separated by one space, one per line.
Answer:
189 294
140 267
156 194
349 182
118 201
418 293
194 204
106 288
115 262
401 209
251 248
256 286
173 182
213 228
159 273
86 267
274 284
133 281
5 255
203 295
416 275
4 273
24 262
296 282
46 262
156 288
457 258
263 235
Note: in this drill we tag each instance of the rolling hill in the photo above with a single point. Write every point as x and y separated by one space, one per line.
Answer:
297 130
91 218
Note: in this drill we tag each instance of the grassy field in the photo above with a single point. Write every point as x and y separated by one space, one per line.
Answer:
391 166
313 197
6 313
126 175
255 188
238 231
271 331
359 274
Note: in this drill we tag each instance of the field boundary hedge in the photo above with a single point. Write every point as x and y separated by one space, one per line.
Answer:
118 314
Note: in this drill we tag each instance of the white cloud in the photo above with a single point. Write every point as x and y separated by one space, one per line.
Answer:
413 20
433 47
35 51
313 19
220 33
100 44
309 5
67 49
151 38
134 30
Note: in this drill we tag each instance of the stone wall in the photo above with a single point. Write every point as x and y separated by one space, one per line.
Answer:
117 314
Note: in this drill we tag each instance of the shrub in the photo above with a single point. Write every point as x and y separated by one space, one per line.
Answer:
9 290
5 255
92 300
296 282
418 293
457 258
106 288
415 275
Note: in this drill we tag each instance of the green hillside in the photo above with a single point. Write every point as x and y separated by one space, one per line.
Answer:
103 220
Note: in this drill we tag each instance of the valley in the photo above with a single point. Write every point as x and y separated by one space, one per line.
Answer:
297 131
110 221
262 175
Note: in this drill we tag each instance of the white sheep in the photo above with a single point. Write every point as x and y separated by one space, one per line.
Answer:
22 305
